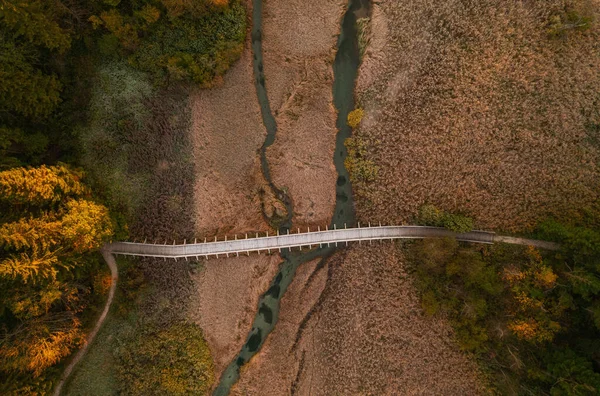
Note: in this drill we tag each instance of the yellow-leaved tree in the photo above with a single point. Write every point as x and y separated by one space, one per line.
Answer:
49 226
39 186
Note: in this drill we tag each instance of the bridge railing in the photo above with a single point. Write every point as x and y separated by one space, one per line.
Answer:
296 240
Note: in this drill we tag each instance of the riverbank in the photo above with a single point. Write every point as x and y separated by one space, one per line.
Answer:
299 40
230 194
355 325
467 108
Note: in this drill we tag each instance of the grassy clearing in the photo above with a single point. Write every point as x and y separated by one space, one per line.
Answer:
137 152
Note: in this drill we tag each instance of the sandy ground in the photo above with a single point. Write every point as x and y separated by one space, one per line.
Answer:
356 327
472 107
299 40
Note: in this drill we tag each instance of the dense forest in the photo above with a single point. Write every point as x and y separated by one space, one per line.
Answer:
54 215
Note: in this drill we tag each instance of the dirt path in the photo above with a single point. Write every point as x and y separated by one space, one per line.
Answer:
114 273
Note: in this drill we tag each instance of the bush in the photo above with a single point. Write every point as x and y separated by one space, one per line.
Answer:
196 41
355 117
174 361
431 216
560 24
360 168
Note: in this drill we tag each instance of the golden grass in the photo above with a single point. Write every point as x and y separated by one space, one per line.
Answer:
475 106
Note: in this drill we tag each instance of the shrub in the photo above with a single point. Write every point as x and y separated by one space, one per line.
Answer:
560 24
355 117
360 168
193 41
431 216
174 361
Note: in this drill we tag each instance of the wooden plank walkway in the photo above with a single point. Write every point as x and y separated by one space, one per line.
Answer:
307 239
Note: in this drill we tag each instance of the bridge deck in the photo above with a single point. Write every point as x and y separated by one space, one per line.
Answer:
275 243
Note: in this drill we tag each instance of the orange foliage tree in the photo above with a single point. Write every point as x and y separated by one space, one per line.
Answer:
49 226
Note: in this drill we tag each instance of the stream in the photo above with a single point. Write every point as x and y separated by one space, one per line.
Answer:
345 70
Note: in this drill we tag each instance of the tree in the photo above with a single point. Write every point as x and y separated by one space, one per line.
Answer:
24 89
56 229
571 374
39 186
85 225
35 21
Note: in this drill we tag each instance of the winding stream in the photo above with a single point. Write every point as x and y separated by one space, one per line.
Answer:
345 70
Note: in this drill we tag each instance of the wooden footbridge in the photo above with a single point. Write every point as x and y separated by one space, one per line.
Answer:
316 238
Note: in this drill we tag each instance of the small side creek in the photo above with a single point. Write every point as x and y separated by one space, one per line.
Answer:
345 70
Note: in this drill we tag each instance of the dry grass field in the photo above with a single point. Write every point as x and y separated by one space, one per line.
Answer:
298 52
355 327
489 108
